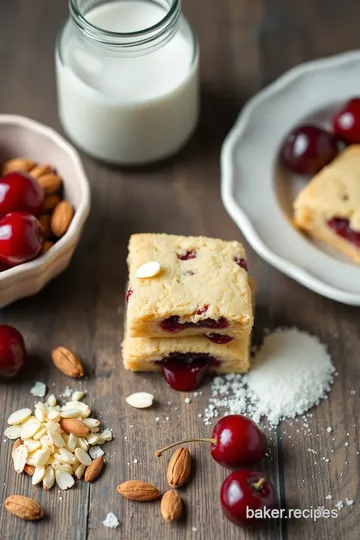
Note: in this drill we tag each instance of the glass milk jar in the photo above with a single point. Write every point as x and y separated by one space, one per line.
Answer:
127 79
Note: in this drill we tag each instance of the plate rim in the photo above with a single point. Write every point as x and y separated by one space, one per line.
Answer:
234 209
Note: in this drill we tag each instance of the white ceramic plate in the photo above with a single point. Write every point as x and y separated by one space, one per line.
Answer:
258 193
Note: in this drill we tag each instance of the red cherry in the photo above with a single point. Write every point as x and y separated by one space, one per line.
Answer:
12 351
307 149
19 192
21 238
243 493
347 122
236 440
341 226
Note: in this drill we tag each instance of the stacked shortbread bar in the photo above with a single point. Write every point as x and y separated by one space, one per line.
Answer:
187 297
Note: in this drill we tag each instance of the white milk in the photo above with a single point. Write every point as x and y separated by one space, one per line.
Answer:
121 108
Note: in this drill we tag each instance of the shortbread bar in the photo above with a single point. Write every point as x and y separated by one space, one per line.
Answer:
143 354
328 208
202 287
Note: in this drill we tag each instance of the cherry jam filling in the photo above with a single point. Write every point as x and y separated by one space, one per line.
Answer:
219 339
187 255
186 371
241 262
341 226
173 324
128 294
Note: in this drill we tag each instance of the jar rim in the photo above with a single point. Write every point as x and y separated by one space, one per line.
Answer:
100 34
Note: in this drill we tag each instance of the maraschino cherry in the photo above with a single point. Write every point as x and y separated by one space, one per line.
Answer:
243 493
236 441
12 351
347 122
19 192
21 238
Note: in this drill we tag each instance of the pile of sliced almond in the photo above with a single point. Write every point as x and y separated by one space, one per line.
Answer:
56 442
57 214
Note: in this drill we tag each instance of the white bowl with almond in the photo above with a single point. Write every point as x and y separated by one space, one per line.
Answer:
44 204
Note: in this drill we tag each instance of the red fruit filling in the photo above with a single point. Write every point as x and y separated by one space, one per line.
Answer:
186 371
128 294
341 226
187 255
219 339
241 262
173 324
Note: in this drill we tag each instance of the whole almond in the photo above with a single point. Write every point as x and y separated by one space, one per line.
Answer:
47 245
138 490
171 505
74 426
67 362
50 202
24 507
18 164
29 469
45 223
50 182
40 170
179 467
61 218
93 470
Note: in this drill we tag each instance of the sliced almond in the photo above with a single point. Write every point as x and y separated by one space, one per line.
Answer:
92 438
78 395
140 400
83 457
18 417
56 439
16 444
32 445
40 433
40 415
66 467
49 478
24 507
41 457
51 400
74 426
83 444
66 456
80 471
29 427
64 479
13 432
148 270
72 442
91 422
67 362
138 490
20 456
94 470
69 413
38 475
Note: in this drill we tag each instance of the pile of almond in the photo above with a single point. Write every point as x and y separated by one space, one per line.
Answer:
56 443
178 472
57 214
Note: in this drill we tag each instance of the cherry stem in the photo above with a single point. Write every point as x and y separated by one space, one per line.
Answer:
160 452
258 485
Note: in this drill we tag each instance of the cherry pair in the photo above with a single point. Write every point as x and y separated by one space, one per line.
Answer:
21 234
237 441
309 148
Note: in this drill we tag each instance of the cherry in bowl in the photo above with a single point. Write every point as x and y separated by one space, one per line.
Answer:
21 238
245 494
19 192
307 149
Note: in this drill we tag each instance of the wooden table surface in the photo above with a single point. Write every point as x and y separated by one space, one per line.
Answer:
244 45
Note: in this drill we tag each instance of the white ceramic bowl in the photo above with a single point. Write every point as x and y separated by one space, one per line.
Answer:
258 193
22 137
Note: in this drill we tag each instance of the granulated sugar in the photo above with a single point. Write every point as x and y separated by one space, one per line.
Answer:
290 374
